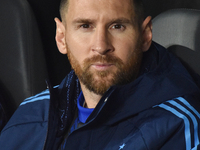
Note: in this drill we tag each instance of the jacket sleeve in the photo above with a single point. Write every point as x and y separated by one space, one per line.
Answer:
181 124
27 128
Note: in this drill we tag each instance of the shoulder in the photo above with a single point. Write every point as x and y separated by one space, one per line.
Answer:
39 97
174 122
32 109
30 121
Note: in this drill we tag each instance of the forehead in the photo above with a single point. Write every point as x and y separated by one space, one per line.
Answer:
100 8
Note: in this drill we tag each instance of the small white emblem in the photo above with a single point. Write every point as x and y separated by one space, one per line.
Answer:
122 146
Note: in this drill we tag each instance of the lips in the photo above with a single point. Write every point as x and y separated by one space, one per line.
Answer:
101 66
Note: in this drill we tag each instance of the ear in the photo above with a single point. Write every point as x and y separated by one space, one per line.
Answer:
146 34
60 36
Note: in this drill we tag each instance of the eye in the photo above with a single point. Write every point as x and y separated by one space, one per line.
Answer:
118 27
85 26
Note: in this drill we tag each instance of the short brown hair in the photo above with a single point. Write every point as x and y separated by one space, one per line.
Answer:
138 8
63 7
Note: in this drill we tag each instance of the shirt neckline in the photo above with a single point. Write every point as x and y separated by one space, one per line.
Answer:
83 113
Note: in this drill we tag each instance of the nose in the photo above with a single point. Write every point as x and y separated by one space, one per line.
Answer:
102 42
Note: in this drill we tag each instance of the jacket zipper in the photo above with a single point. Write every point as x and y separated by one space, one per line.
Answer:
105 100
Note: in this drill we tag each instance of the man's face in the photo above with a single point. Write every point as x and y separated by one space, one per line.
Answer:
103 42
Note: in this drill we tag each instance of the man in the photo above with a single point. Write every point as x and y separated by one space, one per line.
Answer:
126 92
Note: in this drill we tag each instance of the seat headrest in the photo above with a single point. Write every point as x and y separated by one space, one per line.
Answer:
179 31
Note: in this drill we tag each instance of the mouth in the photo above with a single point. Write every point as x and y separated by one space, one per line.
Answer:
102 66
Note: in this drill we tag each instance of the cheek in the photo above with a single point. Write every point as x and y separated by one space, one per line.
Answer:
77 38
126 49
77 47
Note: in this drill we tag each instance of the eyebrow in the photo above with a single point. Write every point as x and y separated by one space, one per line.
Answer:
118 20
121 20
80 20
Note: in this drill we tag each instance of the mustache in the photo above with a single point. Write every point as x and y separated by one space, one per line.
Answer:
111 59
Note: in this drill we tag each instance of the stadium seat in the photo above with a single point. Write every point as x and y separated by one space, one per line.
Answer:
23 65
179 31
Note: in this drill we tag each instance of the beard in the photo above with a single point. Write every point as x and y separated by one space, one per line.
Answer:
98 81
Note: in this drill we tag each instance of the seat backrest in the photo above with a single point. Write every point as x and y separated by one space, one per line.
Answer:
179 31
4 114
22 62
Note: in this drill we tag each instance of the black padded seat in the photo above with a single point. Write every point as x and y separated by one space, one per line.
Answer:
179 31
22 61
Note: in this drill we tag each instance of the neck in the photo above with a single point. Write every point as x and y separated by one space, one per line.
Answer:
91 99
